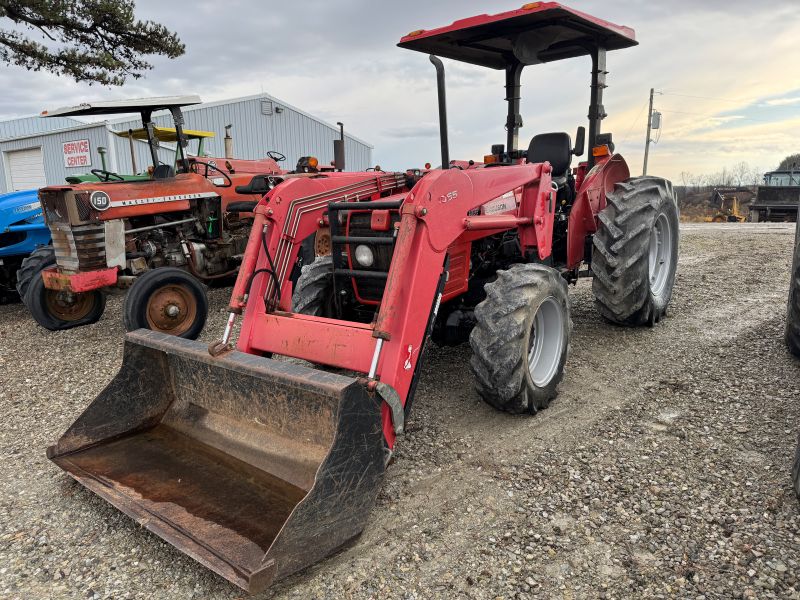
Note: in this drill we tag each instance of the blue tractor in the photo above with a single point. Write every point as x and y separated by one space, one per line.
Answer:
22 233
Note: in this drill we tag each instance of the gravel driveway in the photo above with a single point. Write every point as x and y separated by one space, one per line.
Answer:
662 470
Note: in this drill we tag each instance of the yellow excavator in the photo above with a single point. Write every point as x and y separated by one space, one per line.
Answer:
728 211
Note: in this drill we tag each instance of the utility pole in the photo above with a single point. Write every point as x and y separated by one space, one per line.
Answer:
649 129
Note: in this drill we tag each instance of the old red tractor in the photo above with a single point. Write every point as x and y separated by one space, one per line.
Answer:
258 466
162 237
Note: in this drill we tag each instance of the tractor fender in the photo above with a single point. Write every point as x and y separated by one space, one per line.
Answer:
590 200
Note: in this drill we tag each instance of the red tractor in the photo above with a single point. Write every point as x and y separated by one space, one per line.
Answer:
258 466
162 237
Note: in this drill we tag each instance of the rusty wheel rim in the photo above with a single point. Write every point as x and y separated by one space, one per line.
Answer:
68 306
171 309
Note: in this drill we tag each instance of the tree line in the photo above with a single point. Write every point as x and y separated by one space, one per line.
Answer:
739 175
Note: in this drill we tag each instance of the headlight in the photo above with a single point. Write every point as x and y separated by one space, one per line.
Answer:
364 256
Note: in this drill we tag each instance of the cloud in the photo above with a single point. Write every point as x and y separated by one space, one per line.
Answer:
726 119
339 61
413 131
782 101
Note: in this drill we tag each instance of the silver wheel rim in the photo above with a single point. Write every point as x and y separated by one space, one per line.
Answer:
660 262
547 342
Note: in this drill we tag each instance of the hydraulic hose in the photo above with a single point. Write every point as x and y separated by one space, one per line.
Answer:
271 266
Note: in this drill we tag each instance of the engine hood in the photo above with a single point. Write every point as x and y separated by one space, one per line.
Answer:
18 208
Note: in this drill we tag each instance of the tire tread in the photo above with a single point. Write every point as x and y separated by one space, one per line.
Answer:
498 365
621 250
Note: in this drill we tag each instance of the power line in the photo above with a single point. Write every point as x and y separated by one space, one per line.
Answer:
713 116
705 97
747 103
636 120
660 131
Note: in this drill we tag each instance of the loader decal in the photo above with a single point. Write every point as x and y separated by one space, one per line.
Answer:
27 207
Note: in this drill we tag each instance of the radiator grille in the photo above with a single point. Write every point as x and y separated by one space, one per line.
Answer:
54 205
85 209
65 206
79 248
359 225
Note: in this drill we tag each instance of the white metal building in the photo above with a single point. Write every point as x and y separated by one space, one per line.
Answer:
38 151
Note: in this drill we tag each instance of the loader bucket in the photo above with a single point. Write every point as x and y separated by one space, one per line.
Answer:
255 468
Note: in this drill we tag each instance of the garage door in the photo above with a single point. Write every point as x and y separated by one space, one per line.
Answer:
26 168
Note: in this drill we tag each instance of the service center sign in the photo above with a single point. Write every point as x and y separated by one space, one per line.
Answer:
77 154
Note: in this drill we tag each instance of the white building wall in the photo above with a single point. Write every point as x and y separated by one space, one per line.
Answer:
31 125
285 129
260 123
52 152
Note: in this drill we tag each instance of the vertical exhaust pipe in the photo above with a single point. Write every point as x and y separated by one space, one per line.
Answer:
442 110
338 149
135 171
228 142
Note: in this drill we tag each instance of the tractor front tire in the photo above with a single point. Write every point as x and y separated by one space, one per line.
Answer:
521 338
793 307
313 293
635 253
168 300
31 266
56 310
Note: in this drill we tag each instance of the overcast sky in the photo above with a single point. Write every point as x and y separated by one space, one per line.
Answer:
727 69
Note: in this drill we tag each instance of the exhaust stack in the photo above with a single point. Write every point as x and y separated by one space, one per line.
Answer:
442 96
228 142
338 150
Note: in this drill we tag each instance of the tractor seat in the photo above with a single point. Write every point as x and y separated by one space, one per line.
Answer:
163 172
555 148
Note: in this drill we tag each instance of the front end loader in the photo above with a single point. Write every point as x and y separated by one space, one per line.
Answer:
261 458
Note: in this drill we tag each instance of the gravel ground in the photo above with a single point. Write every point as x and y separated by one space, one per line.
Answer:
662 470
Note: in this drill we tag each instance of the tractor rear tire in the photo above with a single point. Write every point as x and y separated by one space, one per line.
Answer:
635 253
168 300
793 307
58 311
313 293
521 339
31 266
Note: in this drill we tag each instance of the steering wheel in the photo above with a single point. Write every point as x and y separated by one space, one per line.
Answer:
195 168
276 156
104 175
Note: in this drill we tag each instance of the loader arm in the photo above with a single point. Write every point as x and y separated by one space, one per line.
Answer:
435 216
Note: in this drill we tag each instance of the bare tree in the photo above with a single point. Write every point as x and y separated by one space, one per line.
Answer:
756 176
740 172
